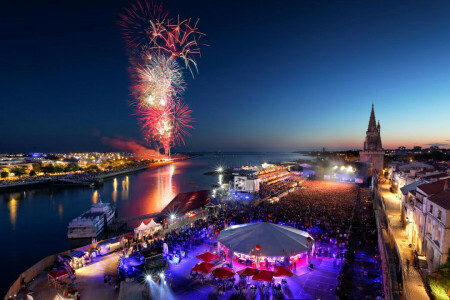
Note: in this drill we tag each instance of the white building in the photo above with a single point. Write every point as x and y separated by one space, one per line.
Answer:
427 216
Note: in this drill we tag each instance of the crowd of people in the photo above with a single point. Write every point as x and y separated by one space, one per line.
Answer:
326 210
277 188
360 275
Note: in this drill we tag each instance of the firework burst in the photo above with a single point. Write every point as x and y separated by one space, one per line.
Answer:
159 81
155 43
181 122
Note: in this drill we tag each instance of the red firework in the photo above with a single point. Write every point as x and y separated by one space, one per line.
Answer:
182 117
178 39
151 36
135 23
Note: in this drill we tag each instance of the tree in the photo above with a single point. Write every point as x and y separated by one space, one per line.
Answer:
72 167
32 173
443 274
92 168
4 174
37 167
50 168
18 171
59 169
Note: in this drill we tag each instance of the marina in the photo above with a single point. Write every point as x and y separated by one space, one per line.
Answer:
146 192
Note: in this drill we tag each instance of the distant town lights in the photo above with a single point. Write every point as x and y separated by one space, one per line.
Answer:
148 278
219 169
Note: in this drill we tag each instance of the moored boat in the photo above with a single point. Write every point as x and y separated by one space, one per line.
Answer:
92 222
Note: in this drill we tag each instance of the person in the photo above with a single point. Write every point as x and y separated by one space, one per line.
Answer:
407 266
267 263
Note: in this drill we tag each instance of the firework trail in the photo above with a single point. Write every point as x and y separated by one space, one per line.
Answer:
154 43
181 119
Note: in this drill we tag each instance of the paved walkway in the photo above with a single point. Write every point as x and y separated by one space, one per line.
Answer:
89 280
415 287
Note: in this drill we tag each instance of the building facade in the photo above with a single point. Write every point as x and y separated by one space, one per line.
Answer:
427 217
373 151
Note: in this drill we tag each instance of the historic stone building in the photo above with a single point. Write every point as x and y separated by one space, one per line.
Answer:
373 151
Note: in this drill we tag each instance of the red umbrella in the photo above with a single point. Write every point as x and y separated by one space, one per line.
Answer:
223 273
203 267
247 272
264 275
282 271
207 256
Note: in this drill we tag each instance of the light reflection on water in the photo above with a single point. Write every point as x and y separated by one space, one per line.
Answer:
40 216
12 205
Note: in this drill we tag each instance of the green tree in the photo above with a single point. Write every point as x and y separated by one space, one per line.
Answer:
72 167
4 174
32 173
37 167
59 169
92 168
443 274
50 168
18 171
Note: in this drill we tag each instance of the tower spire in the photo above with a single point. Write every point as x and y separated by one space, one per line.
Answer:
372 122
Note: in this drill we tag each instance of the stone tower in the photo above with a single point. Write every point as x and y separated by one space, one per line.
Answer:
373 151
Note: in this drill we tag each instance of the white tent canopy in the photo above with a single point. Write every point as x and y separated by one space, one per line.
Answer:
152 224
143 229
274 240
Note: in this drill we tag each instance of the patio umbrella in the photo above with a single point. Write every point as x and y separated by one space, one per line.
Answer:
264 275
203 267
247 271
223 273
207 256
282 271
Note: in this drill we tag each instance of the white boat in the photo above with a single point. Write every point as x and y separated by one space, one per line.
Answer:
91 223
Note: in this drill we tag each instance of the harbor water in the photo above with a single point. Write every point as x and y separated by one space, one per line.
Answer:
34 222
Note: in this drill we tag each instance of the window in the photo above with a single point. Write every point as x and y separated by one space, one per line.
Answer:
431 208
439 214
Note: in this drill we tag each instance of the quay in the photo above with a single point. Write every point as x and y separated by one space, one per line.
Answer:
86 180
181 204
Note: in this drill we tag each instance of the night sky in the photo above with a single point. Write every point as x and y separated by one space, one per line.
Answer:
278 75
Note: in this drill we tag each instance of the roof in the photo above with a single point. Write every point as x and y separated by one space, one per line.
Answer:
185 202
410 187
273 239
244 172
76 254
432 187
438 176
442 199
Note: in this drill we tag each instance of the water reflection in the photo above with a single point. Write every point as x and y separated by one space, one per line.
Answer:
60 210
125 188
114 193
95 197
12 206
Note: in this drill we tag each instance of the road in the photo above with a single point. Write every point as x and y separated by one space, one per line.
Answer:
415 287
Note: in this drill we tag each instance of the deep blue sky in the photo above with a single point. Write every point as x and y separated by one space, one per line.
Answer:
278 75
